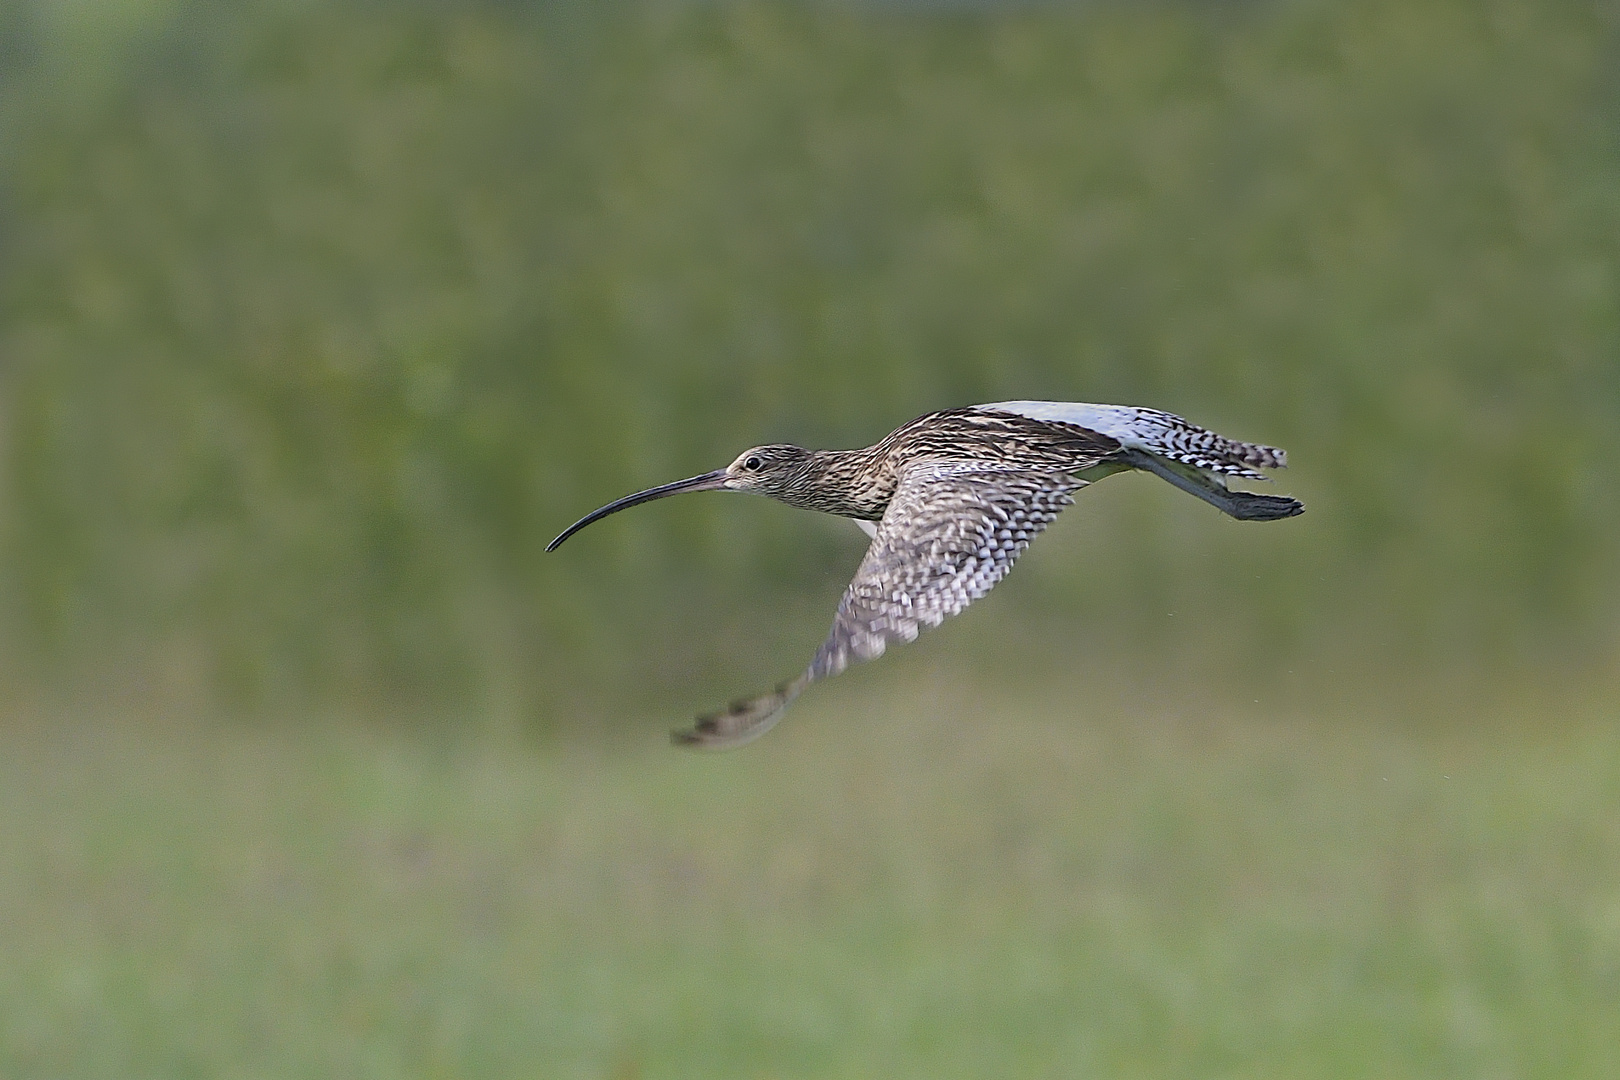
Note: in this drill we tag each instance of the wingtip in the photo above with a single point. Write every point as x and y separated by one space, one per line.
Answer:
741 723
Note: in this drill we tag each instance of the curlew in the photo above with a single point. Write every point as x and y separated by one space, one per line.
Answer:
950 501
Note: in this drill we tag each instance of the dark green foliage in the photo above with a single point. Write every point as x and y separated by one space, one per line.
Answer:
320 319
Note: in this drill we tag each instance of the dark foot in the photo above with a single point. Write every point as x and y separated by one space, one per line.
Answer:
1247 506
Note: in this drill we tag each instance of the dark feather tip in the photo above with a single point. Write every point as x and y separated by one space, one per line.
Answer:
742 722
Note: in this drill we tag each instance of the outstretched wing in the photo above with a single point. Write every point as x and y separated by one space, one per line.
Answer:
952 530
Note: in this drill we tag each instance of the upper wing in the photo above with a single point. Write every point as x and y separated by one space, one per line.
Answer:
952 530
1193 458
1164 434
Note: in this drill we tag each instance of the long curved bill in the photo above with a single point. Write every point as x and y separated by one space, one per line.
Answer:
709 481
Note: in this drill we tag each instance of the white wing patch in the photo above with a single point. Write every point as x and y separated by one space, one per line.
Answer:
1161 433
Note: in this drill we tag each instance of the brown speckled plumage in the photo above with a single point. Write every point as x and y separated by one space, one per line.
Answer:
958 495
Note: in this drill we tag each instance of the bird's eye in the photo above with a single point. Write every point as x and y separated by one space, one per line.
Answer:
752 464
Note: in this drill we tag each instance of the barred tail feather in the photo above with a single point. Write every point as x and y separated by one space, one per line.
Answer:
1261 457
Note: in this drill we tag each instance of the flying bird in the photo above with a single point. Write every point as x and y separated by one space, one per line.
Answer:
950 501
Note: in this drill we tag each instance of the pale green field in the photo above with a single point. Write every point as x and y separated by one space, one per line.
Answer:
914 881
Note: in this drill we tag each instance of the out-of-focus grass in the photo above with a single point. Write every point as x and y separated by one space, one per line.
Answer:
928 881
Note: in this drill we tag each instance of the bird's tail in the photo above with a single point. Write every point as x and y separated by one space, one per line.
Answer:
1172 438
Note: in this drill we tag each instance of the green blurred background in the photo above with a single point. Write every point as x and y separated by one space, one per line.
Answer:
319 318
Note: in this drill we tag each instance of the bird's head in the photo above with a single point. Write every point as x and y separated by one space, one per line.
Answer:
768 470
772 469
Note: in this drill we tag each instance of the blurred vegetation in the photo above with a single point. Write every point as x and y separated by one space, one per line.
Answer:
318 319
